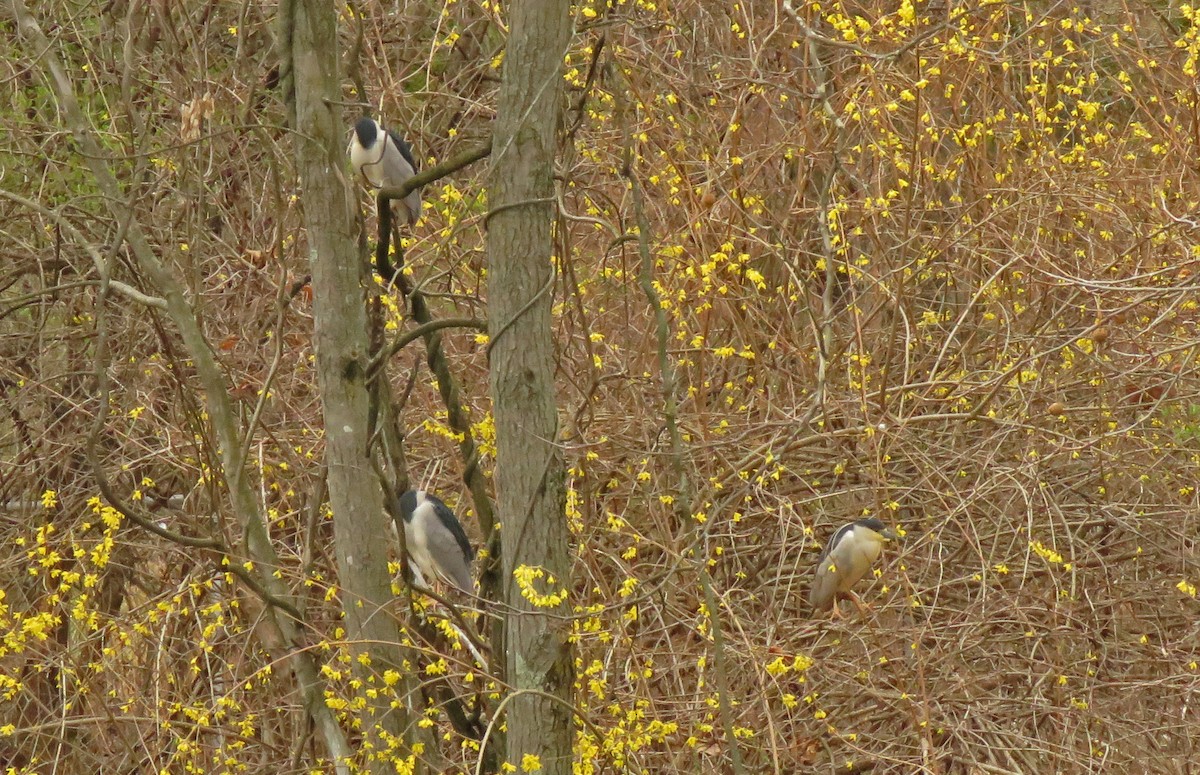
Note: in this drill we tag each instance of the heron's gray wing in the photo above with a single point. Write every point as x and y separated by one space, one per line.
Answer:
825 582
405 149
450 521
396 169
451 558
399 166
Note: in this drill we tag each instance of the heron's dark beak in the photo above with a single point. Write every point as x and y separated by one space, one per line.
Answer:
889 535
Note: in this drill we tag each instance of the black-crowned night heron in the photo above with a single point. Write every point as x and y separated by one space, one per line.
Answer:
385 160
846 559
437 546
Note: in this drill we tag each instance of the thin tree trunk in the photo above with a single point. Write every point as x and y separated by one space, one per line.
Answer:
359 521
529 475
284 630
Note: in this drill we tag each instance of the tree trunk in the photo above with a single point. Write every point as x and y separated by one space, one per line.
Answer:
359 522
529 475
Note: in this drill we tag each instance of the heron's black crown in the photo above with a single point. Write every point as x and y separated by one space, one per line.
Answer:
873 524
366 130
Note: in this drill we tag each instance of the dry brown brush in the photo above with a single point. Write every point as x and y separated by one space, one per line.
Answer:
934 262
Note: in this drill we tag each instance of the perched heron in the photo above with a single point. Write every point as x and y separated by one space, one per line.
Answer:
436 543
385 160
846 559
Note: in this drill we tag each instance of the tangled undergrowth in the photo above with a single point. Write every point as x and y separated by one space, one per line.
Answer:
932 262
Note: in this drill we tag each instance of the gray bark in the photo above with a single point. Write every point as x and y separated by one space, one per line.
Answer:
529 475
359 521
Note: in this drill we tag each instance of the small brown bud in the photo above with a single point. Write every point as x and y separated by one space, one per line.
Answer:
1056 408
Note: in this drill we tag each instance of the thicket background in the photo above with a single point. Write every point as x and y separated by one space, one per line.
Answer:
931 262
